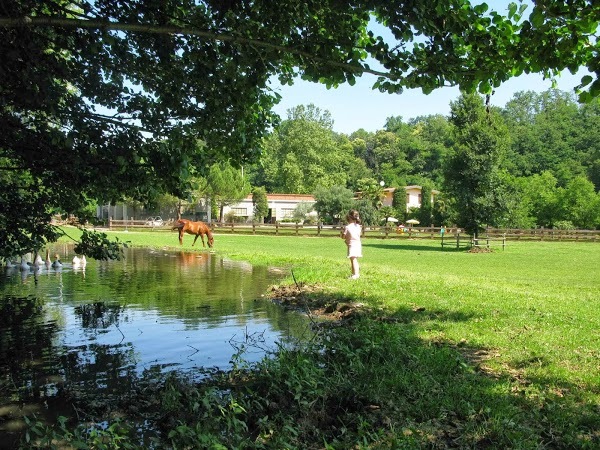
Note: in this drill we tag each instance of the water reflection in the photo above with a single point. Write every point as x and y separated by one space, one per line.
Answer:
99 329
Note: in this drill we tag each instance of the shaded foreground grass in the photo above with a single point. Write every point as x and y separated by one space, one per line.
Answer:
459 350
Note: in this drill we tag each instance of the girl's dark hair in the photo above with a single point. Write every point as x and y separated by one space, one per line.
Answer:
353 214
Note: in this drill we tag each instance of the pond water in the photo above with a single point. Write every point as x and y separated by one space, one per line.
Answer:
100 329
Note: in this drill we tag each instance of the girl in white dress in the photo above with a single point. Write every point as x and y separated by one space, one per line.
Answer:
351 234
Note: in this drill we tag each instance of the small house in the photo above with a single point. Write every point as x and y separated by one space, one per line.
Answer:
413 196
281 206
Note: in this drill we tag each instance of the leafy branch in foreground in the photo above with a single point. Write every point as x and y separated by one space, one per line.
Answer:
97 245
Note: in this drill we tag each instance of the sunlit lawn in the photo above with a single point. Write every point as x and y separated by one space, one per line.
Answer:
529 312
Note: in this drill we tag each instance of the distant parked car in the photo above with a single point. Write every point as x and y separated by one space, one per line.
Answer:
155 221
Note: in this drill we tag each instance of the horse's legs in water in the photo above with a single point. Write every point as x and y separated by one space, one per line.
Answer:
202 237
181 236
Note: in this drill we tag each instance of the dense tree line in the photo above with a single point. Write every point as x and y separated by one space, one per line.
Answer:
533 162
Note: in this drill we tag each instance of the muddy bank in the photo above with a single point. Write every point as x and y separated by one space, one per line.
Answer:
310 299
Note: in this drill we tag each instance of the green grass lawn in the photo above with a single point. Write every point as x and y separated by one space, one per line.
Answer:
495 350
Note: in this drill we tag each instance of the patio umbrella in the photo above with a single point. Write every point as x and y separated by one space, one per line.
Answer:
391 219
413 221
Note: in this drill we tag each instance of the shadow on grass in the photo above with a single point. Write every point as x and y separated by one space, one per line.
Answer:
379 369
433 247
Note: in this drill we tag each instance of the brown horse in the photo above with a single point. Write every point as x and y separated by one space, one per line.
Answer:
196 228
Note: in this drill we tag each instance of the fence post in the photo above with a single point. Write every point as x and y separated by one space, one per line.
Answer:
319 228
457 240
276 228
297 228
110 223
253 227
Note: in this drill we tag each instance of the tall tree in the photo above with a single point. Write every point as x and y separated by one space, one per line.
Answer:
261 203
225 185
471 171
123 89
581 203
425 215
516 195
540 190
304 153
389 149
333 203
588 139
544 134
434 133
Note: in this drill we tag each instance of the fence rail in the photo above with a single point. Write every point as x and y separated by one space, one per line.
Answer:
449 237
115 224
456 240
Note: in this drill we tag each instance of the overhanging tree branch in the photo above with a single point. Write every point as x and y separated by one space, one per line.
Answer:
158 29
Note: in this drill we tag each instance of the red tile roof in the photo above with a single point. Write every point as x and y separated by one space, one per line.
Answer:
288 197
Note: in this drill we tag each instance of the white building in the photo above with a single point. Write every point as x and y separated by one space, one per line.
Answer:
281 206
413 196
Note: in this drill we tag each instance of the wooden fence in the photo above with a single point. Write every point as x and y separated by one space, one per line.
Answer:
294 229
464 240
133 224
450 237
544 234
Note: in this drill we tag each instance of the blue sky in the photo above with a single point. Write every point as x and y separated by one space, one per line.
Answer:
358 106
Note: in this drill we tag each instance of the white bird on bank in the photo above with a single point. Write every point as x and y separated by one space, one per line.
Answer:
47 260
